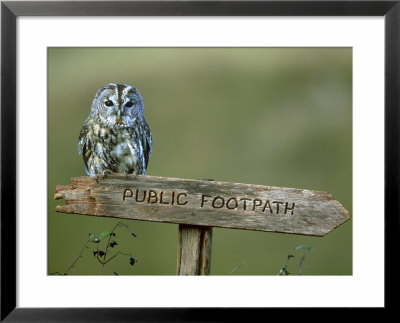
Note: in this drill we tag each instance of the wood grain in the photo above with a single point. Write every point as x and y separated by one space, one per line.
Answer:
204 203
194 250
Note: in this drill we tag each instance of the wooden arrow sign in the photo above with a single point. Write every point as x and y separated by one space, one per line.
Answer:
204 203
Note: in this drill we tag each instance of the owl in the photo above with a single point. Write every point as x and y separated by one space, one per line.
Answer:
115 138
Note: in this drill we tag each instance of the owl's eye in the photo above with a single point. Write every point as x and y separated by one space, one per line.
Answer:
109 103
129 104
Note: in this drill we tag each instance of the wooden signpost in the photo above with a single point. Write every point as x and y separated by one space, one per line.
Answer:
199 205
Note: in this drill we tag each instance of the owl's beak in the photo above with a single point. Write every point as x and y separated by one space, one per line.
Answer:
119 120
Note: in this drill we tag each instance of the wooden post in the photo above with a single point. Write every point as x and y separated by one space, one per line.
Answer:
194 250
199 205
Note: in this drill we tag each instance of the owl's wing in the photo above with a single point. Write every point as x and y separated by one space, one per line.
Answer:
147 142
82 140
82 147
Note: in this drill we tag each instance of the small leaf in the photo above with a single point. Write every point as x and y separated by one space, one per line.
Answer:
101 253
93 238
133 234
115 273
132 260
309 248
94 253
284 272
104 235
113 243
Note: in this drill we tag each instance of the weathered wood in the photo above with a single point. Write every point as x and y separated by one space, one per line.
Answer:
204 203
194 250
205 251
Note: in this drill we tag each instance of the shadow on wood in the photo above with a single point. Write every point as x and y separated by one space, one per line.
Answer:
194 250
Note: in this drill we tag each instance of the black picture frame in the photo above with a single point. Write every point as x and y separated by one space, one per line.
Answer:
10 10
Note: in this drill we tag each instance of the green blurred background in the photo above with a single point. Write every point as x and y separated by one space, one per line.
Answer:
270 116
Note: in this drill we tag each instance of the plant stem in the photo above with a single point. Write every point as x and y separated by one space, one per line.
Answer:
237 267
108 243
118 253
301 262
79 256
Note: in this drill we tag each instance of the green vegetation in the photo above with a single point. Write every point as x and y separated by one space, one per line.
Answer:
102 252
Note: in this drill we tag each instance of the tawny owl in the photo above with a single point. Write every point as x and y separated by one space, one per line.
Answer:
116 138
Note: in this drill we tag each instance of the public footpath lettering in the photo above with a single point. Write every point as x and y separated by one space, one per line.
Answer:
207 201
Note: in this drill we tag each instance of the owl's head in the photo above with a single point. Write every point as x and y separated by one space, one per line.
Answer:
118 105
